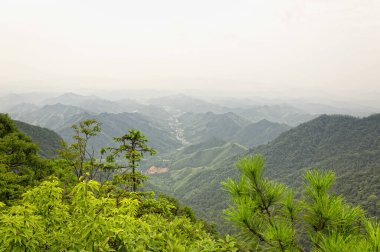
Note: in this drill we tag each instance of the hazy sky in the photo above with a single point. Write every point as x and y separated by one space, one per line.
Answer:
284 47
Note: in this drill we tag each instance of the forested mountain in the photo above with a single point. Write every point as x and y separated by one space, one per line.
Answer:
193 171
69 99
47 206
183 103
90 104
188 132
194 175
262 132
21 109
347 145
54 117
159 135
20 165
197 127
48 141
229 127
95 105
291 112
60 117
280 113
151 119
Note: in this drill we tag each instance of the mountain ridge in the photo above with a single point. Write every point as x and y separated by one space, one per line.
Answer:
49 142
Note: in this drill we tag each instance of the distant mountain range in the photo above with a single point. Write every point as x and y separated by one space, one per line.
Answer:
183 103
116 125
199 141
229 127
54 117
280 113
154 118
160 107
52 111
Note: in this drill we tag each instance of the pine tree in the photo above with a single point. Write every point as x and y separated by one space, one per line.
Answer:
270 218
133 146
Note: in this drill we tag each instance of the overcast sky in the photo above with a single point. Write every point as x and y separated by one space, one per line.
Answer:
277 47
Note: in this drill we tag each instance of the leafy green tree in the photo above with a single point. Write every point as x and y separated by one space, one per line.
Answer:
7 126
81 158
90 222
20 165
133 146
270 218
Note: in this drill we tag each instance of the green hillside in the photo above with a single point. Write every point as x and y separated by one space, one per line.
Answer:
160 136
347 145
199 127
194 177
274 113
229 127
47 140
46 206
262 132
54 117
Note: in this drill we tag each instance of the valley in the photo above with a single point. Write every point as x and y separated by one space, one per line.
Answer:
175 126
199 142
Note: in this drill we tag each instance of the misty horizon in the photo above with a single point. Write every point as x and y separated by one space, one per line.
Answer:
307 49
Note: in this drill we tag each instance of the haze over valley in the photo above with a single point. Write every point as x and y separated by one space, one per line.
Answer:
190 125
199 139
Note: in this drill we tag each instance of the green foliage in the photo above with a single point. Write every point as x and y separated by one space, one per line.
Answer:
7 126
132 147
114 116
79 153
194 175
90 222
270 218
20 166
348 146
71 212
